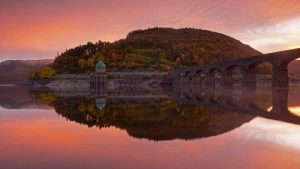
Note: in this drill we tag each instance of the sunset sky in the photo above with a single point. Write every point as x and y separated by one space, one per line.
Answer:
36 29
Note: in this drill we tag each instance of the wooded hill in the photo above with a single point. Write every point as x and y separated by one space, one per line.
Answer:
161 48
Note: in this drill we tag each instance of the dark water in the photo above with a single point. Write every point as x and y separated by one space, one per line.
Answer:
175 128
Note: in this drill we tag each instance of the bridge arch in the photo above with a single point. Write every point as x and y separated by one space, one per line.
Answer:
292 69
214 69
199 76
280 73
188 73
232 67
199 71
232 73
212 75
183 77
257 70
257 65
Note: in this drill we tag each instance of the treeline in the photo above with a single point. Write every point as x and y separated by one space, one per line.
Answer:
164 49
120 54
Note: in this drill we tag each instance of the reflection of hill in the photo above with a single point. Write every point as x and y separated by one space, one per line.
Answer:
206 123
13 97
160 120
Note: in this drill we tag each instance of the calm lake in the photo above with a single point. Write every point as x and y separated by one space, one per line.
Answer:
181 128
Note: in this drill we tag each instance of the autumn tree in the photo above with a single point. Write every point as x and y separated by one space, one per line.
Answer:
46 72
82 63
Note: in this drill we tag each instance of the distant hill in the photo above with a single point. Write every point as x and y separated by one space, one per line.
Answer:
161 48
15 71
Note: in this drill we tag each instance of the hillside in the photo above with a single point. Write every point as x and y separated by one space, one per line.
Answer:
161 48
15 71
202 45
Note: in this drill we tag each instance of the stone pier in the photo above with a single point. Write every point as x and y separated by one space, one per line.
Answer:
249 77
280 76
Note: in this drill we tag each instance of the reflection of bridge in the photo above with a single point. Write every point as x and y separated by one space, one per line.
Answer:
133 98
206 73
244 103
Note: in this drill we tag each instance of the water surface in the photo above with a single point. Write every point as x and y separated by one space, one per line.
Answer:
181 128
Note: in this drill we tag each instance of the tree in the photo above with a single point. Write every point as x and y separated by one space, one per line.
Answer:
46 72
91 63
82 64
98 57
34 75
188 60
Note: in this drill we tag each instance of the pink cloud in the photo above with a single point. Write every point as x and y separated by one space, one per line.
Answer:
55 25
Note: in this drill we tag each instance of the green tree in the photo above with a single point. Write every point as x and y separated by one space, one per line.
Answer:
91 63
34 75
46 72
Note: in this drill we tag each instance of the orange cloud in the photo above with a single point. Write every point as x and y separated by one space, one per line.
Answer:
49 26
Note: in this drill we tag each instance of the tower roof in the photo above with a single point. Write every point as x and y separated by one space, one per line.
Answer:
100 65
100 106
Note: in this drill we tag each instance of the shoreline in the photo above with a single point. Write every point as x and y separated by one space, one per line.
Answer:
81 82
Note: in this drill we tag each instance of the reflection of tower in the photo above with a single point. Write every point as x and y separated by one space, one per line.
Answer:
100 102
99 79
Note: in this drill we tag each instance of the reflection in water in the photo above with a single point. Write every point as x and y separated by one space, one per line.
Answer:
270 109
41 139
295 110
14 97
264 102
184 113
272 132
157 119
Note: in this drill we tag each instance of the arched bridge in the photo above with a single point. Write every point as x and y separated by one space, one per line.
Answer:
206 73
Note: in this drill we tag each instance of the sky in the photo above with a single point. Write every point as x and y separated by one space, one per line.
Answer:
39 29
